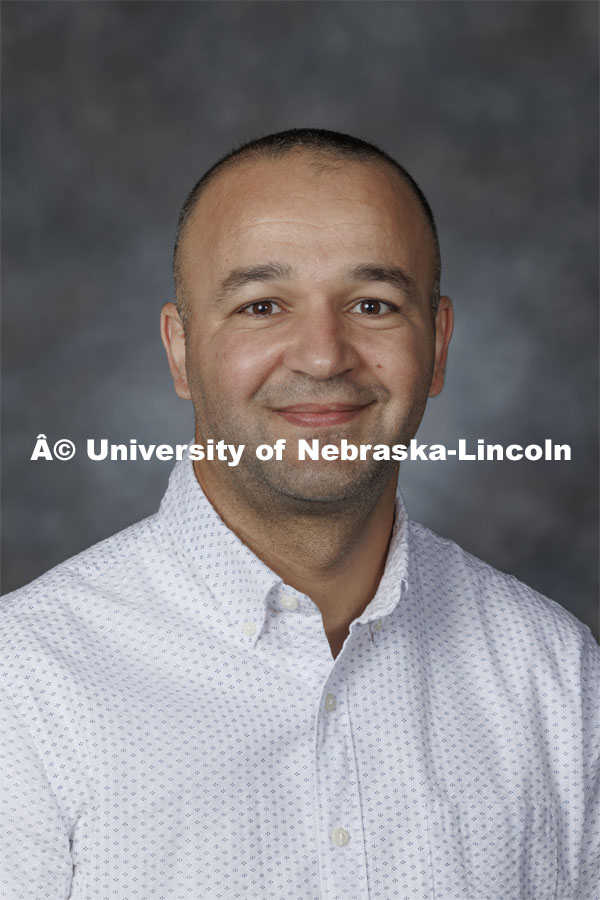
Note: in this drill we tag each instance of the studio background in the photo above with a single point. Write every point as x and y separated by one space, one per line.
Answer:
111 111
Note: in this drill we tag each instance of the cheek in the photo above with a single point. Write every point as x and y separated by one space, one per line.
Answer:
404 367
236 365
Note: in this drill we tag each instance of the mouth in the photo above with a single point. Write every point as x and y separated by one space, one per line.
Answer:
315 415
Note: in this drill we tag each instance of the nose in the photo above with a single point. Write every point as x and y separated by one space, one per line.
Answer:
320 344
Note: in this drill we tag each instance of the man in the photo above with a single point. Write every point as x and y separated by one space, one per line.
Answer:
278 686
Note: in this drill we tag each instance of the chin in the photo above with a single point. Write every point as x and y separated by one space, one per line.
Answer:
327 482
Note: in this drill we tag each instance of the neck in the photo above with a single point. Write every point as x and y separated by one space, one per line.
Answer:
334 554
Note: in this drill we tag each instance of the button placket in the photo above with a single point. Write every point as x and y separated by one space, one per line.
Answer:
340 837
343 858
330 702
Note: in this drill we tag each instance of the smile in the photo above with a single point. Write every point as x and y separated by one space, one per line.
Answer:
314 415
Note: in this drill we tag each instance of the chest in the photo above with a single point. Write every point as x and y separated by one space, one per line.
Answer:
385 769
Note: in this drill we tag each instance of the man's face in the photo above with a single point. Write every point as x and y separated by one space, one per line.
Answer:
307 292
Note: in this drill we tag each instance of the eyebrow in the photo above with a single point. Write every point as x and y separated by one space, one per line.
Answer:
238 278
397 278
272 271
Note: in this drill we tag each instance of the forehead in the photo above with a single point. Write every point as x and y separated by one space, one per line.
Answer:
307 209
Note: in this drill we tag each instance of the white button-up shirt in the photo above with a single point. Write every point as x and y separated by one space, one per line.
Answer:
175 727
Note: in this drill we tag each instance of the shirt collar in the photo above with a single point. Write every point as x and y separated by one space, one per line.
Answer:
395 580
238 580
242 584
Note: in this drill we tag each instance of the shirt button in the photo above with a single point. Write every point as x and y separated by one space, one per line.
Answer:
378 625
330 702
288 601
249 628
340 837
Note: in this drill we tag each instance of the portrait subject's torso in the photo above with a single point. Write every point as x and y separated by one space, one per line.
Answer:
185 731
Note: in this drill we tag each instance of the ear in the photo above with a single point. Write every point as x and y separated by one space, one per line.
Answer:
173 338
444 323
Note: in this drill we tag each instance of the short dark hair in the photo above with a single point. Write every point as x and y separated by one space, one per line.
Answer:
318 141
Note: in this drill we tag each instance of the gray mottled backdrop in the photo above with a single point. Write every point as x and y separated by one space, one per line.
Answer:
112 110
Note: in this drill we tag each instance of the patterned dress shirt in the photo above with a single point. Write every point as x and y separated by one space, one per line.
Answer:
175 726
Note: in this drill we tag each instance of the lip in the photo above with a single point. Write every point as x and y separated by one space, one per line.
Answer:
315 415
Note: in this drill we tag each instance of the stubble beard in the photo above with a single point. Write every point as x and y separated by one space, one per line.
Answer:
287 487
293 487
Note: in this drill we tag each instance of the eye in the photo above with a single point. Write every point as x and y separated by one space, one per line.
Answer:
374 307
261 308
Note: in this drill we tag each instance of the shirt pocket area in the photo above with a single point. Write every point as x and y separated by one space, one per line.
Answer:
492 850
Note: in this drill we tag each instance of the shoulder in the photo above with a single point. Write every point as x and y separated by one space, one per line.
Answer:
483 603
81 587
